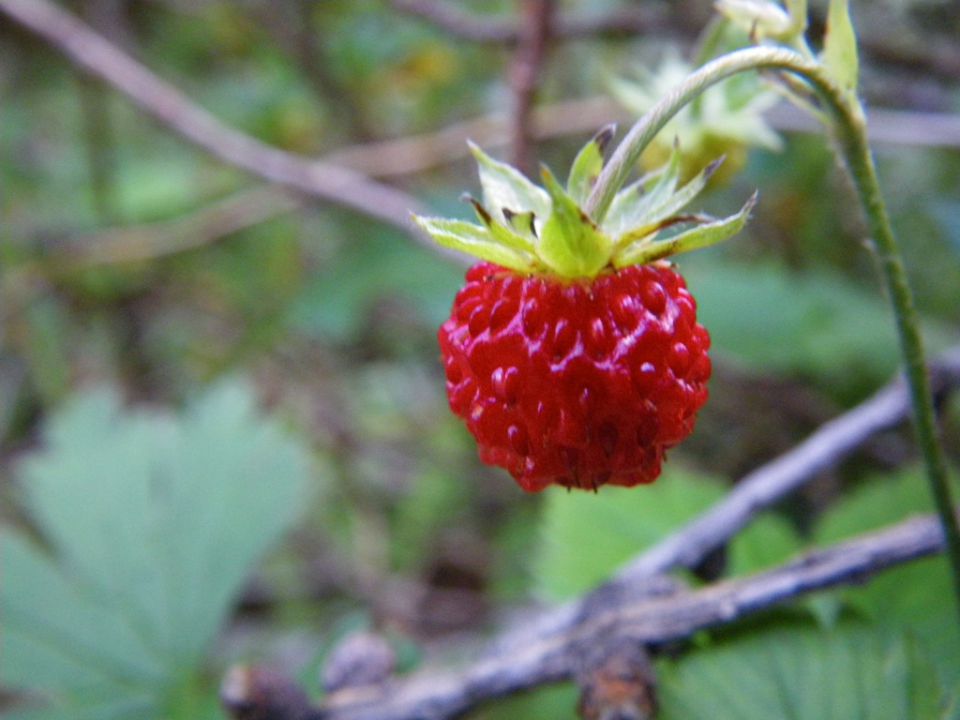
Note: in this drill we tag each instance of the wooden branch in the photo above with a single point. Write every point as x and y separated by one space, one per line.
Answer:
417 153
939 59
522 660
164 102
528 61
137 243
496 30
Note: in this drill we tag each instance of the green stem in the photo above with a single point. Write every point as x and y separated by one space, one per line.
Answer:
850 129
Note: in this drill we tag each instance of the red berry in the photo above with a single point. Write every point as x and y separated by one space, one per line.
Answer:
578 383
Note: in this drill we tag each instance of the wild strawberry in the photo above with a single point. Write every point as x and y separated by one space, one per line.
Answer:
573 353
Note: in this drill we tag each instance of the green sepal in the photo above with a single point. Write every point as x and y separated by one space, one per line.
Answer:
703 235
840 47
473 240
631 206
524 223
587 165
499 232
571 245
655 215
504 187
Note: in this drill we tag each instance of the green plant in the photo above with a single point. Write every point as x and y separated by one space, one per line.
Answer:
150 525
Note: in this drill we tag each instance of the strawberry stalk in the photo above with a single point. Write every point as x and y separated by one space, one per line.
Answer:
845 118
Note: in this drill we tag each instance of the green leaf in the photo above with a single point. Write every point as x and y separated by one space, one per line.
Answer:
700 236
812 323
840 46
473 240
632 204
916 598
504 187
570 244
153 523
804 673
669 205
588 164
504 234
585 538
336 303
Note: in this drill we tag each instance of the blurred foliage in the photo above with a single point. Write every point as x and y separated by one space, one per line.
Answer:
805 673
332 317
152 524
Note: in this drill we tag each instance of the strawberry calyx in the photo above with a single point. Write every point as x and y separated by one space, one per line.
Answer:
536 230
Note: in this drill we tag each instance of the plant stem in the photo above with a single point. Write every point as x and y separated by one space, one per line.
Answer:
849 127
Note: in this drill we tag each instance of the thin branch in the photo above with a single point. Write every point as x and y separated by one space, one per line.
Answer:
519 661
153 240
168 105
495 30
770 483
416 153
938 59
525 70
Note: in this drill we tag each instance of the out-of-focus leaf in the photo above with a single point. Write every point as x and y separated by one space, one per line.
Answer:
153 522
840 46
804 673
585 538
814 324
917 597
368 268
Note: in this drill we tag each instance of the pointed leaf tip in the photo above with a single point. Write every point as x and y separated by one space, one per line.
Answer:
506 187
588 164
710 169
604 136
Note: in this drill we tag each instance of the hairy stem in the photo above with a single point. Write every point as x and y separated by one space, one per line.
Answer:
849 126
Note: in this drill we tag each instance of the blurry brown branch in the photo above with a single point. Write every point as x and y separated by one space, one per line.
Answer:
417 153
521 660
452 19
525 70
152 240
168 105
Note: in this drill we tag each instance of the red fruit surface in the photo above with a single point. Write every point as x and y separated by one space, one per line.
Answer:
578 384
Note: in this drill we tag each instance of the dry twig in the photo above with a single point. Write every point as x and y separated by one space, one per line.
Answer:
528 62
168 105
504 31
525 660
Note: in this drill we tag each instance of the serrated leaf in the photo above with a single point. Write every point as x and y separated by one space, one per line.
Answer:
917 597
570 244
840 46
153 523
804 673
504 187
587 165
473 240
701 236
